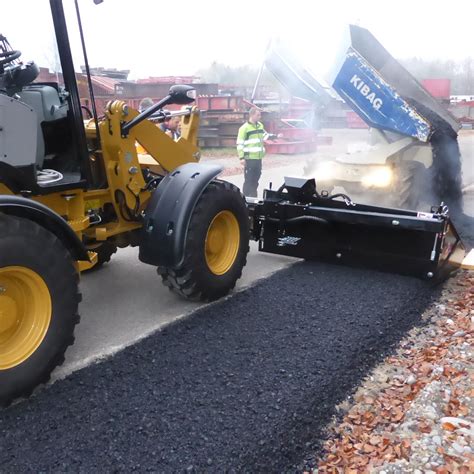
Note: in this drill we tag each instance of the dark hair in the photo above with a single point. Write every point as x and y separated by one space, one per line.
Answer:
253 111
145 103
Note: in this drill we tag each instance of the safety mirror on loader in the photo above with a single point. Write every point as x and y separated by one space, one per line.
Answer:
179 94
182 94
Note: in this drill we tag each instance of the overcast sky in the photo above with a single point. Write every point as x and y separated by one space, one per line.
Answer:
154 37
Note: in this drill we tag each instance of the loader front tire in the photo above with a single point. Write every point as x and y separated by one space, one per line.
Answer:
39 299
216 247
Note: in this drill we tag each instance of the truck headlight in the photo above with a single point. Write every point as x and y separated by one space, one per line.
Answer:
325 171
379 178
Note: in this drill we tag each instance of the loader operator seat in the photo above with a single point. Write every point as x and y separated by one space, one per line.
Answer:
45 101
34 119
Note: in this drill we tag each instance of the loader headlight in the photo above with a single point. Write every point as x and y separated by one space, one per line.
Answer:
378 178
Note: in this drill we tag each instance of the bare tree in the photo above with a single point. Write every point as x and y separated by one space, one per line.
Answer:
468 75
51 59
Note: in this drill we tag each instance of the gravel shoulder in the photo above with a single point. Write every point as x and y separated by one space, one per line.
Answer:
414 412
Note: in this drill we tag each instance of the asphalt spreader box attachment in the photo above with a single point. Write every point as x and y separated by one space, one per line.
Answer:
297 221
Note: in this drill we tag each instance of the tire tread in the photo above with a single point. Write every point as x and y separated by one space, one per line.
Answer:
183 281
69 288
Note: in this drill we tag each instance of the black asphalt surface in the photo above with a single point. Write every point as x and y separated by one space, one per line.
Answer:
246 384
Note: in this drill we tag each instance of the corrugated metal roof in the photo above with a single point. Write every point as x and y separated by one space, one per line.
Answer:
169 80
106 84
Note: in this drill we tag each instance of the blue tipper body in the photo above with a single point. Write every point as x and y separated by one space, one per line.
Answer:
375 101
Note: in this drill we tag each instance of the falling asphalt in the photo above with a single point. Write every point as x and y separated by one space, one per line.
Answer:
244 384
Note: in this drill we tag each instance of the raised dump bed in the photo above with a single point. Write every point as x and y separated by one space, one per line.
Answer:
381 91
387 97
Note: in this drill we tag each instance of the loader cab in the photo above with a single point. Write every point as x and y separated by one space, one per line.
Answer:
40 141
43 146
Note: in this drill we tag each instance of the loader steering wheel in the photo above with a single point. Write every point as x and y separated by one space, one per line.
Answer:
9 56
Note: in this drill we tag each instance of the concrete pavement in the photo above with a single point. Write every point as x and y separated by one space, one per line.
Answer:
125 301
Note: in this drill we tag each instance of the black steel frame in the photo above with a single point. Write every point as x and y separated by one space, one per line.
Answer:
296 221
70 83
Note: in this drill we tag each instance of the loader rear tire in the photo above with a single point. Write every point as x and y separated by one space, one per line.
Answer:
216 248
39 299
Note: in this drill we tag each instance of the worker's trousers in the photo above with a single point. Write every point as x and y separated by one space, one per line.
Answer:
252 173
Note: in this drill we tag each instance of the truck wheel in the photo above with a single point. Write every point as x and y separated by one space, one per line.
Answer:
410 185
104 251
38 305
216 248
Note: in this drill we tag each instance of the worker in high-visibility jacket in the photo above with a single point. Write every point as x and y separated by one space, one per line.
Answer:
250 147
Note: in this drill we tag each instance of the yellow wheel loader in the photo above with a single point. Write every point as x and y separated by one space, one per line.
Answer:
71 192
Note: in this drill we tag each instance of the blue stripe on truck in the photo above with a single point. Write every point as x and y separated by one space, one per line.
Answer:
377 103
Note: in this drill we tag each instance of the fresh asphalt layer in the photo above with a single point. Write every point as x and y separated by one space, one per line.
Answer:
244 384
